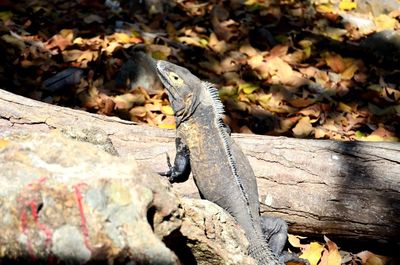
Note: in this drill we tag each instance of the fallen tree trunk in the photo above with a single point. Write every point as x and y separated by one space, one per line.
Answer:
346 189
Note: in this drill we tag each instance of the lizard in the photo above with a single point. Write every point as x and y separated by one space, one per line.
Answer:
221 171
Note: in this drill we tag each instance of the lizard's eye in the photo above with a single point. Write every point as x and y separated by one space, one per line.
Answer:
175 79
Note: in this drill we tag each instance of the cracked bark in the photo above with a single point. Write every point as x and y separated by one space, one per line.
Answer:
341 189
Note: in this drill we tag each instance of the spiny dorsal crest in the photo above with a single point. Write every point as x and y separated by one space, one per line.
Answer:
219 107
219 110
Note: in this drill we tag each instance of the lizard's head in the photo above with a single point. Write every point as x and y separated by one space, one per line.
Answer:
182 87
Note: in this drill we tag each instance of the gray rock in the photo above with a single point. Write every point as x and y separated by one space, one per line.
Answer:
71 202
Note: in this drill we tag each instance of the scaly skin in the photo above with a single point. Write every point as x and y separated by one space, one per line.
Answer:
221 171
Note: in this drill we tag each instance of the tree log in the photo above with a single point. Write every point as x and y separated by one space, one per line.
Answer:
343 189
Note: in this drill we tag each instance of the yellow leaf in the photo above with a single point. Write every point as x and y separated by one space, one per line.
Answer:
167 126
247 88
5 15
313 253
167 123
385 22
167 110
122 37
227 91
264 98
325 9
378 138
343 107
347 5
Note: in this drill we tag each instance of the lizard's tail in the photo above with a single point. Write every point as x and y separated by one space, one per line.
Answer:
260 251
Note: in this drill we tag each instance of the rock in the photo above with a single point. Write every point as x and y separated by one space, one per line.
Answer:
65 201
213 235
72 202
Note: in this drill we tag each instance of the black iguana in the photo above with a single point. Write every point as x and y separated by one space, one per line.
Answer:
221 171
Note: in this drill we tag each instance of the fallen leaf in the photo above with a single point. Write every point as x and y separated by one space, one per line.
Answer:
138 111
331 256
347 5
167 123
126 101
349 72
13 41
167 110
384 22
343 107
247 88
326 8
5 16
294 241
369 258
301 102
303 128
335 62
121 37
313 253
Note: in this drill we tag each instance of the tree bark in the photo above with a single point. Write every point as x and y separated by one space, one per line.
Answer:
344 189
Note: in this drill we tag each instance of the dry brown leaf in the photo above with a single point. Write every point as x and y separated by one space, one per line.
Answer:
349 72
126 101
215 44
335 62
247 49
279 50
320 133
275 66
369 258
138 111
331 256
301 102
275 103
313 110
303 128
286 124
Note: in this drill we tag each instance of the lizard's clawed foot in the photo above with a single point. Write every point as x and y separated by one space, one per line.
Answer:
170 171
292 257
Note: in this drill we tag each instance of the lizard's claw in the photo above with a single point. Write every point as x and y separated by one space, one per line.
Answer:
168 173
291 257
168 161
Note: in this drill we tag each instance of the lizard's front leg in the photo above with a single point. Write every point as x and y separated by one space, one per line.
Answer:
180 171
